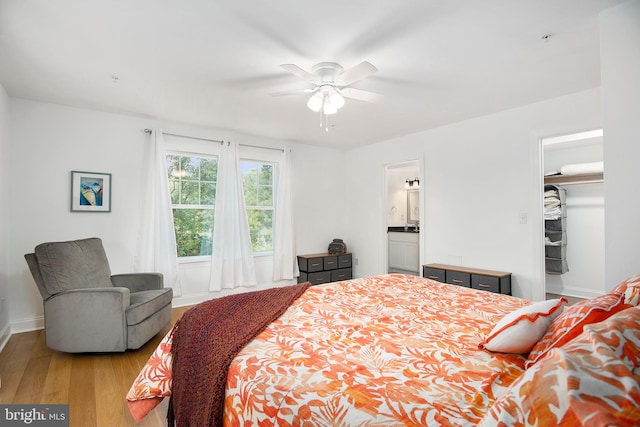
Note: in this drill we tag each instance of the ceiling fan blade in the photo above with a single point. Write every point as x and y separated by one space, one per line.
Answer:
293 92
361 95
303 74
359 72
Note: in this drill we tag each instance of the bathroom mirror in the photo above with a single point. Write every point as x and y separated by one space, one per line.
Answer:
413 206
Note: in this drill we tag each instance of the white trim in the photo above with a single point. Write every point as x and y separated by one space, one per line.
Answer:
193 299
420 161
538 275
572 137
538 272
5 335
27 325
573 292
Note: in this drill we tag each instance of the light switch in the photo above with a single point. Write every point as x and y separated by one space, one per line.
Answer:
522 218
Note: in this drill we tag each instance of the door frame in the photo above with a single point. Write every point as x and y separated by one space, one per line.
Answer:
537 202
419 162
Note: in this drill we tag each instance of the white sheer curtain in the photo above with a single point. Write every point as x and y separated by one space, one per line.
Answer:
285 265
232 262
156 246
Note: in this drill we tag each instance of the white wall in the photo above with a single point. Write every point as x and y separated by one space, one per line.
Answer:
4 218
620 58
478 179
48 141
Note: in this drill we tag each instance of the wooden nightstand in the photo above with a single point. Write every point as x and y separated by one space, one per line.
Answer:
486 280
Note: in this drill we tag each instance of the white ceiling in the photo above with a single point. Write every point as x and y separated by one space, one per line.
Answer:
213 63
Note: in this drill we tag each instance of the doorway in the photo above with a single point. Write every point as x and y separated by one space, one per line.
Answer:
402 207
573 232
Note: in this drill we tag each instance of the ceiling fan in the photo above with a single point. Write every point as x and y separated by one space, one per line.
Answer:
332 84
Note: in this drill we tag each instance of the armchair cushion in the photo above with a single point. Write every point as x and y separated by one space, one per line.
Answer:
144 304
72 265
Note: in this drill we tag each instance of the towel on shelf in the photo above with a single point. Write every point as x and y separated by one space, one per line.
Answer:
552 204
582 168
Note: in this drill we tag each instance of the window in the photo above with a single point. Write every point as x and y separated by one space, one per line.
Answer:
257 180
192 185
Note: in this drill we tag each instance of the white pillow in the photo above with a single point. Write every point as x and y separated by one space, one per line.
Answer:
521 329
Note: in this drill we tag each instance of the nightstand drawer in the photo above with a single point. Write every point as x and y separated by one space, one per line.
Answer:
344 261
433 274
330 262
458 278
319 277
341 274
485 283
310 264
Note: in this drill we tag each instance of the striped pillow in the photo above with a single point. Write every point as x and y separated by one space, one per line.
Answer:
631 289
570 322
519 330
570 387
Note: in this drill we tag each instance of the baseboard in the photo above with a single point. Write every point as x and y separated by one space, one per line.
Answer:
573 292
187 300
27 325
5 334
193 299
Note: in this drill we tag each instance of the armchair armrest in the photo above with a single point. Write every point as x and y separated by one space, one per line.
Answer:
137 282
87 319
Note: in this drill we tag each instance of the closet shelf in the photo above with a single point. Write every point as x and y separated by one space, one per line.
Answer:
584 178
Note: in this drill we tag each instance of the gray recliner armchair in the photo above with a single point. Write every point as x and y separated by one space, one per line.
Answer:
86 309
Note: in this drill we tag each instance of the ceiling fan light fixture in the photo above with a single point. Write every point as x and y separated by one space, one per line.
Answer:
315 102
335 99
328 108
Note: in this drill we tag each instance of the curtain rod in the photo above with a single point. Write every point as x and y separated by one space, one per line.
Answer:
266 148
186 136
148 131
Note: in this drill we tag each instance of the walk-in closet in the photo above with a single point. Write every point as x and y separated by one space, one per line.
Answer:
574 214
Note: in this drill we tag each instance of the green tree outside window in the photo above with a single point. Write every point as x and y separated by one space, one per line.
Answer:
192 187
259 200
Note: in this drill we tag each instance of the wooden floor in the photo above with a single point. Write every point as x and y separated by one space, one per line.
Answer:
94 385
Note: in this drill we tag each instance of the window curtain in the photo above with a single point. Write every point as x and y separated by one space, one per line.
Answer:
285 265
156 246
232 262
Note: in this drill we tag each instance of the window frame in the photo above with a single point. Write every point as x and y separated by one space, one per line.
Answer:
183 153
196 148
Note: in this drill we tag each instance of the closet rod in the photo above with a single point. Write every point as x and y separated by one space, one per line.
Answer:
186 136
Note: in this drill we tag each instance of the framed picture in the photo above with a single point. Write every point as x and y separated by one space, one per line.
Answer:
90 192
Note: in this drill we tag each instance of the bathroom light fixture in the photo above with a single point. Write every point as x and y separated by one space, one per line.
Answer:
411 184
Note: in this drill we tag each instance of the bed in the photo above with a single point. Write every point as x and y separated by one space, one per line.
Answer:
403 350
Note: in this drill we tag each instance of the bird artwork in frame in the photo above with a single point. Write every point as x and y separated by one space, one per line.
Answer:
90 192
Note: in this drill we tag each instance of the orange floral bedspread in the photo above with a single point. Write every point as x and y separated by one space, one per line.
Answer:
384 350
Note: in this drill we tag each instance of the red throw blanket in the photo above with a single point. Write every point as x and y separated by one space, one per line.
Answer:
205 341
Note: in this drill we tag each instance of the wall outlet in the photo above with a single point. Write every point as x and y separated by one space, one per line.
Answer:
355 261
